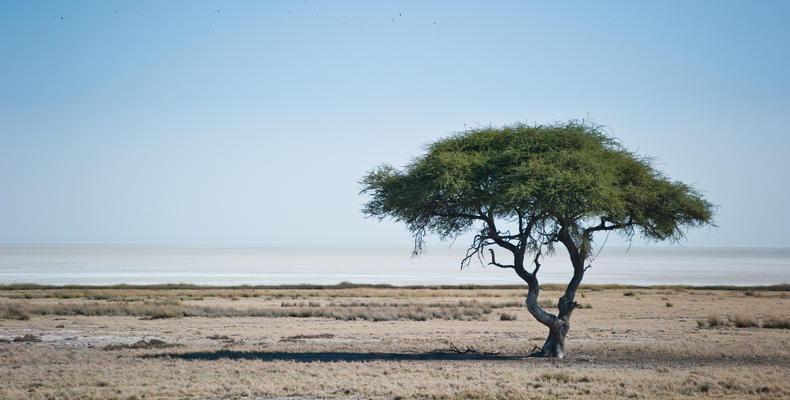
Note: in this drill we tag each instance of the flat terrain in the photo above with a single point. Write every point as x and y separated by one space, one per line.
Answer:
188 343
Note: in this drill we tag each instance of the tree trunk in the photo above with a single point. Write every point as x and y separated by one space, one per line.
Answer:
554 346
558 325
555 343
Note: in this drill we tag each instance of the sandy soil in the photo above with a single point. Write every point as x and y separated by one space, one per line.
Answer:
631 343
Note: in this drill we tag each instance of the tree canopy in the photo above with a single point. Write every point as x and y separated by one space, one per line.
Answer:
570 174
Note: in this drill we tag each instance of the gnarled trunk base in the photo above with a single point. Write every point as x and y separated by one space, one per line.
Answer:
554 347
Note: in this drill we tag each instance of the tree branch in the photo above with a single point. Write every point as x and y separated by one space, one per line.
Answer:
478 244
493 261
493 234
457 215
603 227
520 223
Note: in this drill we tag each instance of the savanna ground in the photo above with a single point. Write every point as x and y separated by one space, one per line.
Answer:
180 342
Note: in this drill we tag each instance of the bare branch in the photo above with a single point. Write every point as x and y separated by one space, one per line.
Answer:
455 349
603 227
419 242
493 234
479 243
493 261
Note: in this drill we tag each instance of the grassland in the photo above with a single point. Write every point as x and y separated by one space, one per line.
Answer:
349 341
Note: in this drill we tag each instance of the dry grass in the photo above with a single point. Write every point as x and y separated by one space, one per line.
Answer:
192 292
777 323
10 311
142 344
28 338
624 347
715 320
306 337
743 321
507 317
347 311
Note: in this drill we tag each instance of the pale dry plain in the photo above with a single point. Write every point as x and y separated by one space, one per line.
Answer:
389 343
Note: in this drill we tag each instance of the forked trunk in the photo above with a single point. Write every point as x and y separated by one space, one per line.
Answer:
558 325
554 346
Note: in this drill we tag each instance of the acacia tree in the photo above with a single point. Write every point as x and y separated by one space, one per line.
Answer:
528 188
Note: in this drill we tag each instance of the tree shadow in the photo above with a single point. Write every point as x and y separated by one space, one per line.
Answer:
325 356
636 361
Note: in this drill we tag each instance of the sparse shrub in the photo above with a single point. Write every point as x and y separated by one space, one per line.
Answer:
27 338
418 315
142 344
715 320
165 313
12 312
628 294
776 323
306 337
507 317
547 303
669 304
743 321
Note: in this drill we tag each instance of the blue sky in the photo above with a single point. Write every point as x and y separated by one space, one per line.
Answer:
252 122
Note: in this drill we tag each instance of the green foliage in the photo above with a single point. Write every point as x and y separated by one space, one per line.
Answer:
568 176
